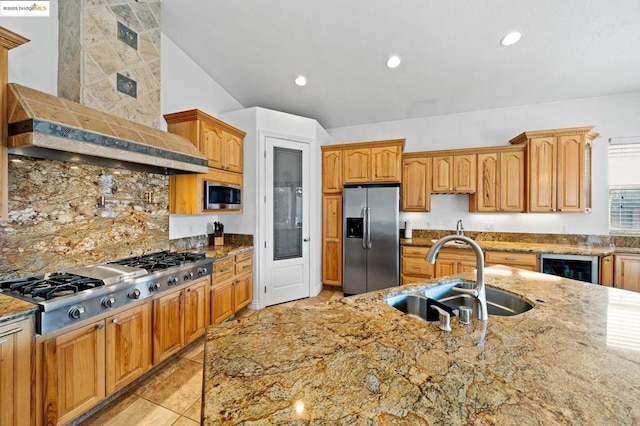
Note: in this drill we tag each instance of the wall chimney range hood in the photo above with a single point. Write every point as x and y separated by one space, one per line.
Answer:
46 126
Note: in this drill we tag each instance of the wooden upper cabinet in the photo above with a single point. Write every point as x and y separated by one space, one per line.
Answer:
332 171
220 142
416 184
500 182
454 173
379 161
559 169
386 163
357 165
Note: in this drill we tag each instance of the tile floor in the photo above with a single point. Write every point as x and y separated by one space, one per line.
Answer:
172 394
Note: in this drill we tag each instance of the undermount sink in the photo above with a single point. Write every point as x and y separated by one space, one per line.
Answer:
417 304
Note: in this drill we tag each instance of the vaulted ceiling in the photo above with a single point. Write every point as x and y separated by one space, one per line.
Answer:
452 60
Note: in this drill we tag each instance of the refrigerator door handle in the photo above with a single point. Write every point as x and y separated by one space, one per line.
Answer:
369 228
364 225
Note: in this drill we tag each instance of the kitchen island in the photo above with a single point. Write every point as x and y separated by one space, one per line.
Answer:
572 359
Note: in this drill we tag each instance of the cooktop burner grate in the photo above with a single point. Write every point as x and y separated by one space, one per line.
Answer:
159 261
51 286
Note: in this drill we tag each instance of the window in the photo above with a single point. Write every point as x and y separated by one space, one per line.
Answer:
624 185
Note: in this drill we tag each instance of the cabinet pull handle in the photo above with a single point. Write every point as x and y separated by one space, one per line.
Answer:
9 333
510 258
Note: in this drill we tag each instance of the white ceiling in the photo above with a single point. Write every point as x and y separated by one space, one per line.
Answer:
451 57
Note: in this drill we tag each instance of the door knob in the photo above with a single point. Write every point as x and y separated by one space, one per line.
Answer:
306 240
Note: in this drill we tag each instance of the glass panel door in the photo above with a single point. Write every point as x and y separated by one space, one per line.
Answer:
287 203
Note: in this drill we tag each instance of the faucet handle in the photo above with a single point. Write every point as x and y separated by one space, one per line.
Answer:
445 318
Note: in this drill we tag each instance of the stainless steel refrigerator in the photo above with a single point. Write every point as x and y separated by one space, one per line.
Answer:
371 238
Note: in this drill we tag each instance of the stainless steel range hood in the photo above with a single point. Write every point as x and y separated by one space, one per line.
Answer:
46 126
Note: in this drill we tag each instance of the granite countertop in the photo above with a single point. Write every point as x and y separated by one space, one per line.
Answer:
219 252
12 308
584 250
572 359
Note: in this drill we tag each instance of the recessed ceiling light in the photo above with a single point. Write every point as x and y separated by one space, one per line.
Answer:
511 38
394 61
301 80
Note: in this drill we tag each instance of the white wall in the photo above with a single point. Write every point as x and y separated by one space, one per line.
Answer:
612 116
35 64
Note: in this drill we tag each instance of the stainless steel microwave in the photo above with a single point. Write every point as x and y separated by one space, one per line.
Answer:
220 196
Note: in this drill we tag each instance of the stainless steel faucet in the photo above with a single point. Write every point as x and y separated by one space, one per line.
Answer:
479 292
459 228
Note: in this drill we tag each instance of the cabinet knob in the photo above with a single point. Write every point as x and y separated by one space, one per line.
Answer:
115 320
100 326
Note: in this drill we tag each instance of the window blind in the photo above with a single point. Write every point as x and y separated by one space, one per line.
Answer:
624 185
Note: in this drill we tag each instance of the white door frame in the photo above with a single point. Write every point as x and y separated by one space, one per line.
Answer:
260 240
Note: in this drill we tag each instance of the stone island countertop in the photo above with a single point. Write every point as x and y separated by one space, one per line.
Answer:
572 359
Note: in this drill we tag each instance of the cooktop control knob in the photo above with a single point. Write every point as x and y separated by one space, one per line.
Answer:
172 281
76 313
188 275
108 302
202 272
154 286
135 294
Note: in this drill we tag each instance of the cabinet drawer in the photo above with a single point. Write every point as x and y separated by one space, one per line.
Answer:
223 269
507 258
410 251
417 266
244 267
410 280
247 255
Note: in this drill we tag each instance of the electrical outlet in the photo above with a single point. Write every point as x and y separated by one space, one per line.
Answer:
488 226
565 228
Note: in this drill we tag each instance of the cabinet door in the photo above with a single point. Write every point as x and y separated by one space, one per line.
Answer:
222 302
386 164
542 175
445 267
416 178
168 325
464 173
627 272
465 266
128 346
606 270
332 240
242 291
232 153
196 309
332 171
487 197
15 373
442 174
357 165
511 181
74 372
211 145
571 174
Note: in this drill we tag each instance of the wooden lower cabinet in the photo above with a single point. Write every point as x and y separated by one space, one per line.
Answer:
627 272
15 372
528 261
414 267
196 310
128 346
74 378
606 270
232 288
453 261
179 318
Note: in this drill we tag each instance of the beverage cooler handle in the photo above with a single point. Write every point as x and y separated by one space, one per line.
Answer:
364 230
369 228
